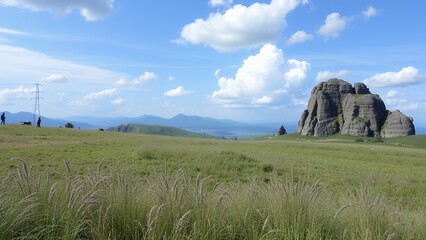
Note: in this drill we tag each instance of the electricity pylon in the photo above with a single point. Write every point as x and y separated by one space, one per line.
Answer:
36 102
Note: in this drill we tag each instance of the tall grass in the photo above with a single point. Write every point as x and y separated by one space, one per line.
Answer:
111 204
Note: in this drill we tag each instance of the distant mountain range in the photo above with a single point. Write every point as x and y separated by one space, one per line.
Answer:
17 118
204 125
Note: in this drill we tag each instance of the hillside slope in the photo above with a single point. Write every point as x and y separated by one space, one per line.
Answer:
158 130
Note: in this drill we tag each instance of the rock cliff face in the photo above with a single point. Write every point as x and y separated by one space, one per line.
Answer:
337 107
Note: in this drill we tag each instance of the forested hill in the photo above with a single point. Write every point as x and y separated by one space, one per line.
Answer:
158 130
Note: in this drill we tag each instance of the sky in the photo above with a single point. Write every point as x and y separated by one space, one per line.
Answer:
251 61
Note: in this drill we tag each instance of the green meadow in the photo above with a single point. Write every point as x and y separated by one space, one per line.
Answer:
74 184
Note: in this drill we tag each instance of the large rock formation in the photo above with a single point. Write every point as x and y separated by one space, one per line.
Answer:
337 107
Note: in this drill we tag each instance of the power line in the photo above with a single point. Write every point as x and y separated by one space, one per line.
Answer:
36 102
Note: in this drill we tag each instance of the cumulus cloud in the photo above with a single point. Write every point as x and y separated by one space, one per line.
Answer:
334 24
299 37
217 3
177 92
253 76
406 76
142 79
326 75
297 73
370 12
262 79
240 26
101 94
55 78
91 10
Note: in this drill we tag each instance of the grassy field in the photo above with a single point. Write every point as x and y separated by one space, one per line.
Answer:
272 188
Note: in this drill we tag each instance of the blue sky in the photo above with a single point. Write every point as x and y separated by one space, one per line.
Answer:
242 60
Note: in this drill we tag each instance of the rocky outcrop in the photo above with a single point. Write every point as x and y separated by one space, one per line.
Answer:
397 124
337 107
282 131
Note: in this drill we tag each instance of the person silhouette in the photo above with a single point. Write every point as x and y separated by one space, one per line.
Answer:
39 122
3 119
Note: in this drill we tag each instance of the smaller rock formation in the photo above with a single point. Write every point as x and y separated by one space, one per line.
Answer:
397 124
281 131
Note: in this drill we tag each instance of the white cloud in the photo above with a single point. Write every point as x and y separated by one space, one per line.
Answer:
334 24
299 37
55 78
217 3
96 100
370 12
299 101
170 78
240 26
297 73
280 92
217 73
326 75
178 41
11 31
260 80
406 76
91 10
25 66
20 89
101 94
392 93
177 92
118 101
20 66
262 100
395 100
8 94
142 79
253 76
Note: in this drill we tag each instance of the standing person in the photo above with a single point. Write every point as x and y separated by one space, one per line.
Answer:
3 119
39 122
